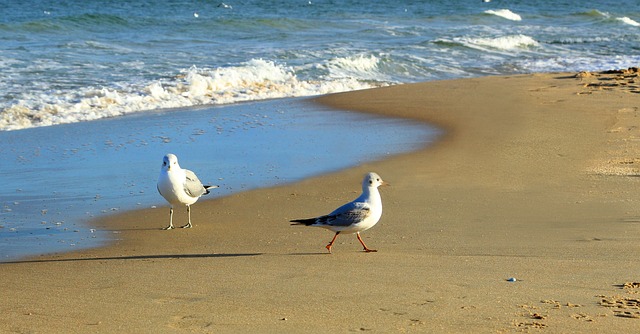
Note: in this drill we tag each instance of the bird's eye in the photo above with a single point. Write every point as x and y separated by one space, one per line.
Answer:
164 163
370 182
378 180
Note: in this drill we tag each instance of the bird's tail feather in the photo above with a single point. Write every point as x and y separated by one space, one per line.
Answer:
206 188
306 222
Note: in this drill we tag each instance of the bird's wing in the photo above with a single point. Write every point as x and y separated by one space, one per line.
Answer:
348 214
192 185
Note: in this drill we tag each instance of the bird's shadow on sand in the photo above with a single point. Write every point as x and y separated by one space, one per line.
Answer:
308 253
136 257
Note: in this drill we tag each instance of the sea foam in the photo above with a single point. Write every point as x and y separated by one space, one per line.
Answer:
360 66
628 21
506 43
256 79
504 13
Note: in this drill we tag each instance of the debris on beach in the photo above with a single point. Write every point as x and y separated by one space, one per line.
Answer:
607 80
627 306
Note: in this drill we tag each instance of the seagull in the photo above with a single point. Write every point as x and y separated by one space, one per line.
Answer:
179 186
356 216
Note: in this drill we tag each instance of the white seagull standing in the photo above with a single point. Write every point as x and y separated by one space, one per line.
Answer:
354 217
179 187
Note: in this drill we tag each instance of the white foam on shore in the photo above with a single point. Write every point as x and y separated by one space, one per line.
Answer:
505 14
256 79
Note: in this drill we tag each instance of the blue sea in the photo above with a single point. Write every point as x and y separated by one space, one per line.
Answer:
94 93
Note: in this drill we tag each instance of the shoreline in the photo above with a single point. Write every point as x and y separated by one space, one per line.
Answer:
533 180
60 177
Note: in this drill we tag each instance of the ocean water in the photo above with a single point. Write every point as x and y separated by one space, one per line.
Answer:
71 61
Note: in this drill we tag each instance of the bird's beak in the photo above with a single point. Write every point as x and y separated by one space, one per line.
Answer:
386 184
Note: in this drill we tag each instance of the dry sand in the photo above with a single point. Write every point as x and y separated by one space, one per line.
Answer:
535 178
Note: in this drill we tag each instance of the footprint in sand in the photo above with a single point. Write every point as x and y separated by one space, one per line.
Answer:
189 322
405 314
535 315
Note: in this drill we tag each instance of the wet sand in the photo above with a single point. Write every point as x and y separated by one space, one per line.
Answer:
535 179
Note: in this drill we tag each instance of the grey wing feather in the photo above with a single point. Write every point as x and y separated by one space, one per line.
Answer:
348 214
192 185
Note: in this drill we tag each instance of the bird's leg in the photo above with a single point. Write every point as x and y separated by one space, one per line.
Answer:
331 243
368 250
170 220
188 215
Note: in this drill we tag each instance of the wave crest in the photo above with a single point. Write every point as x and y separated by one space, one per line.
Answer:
256 79
628 21
510 42
505 14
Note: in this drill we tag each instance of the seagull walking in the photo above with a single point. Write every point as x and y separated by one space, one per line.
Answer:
179 187
354 217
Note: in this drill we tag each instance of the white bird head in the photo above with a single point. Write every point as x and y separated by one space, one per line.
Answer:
372 180
170 161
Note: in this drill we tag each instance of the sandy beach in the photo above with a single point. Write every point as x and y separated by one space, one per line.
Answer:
535 179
